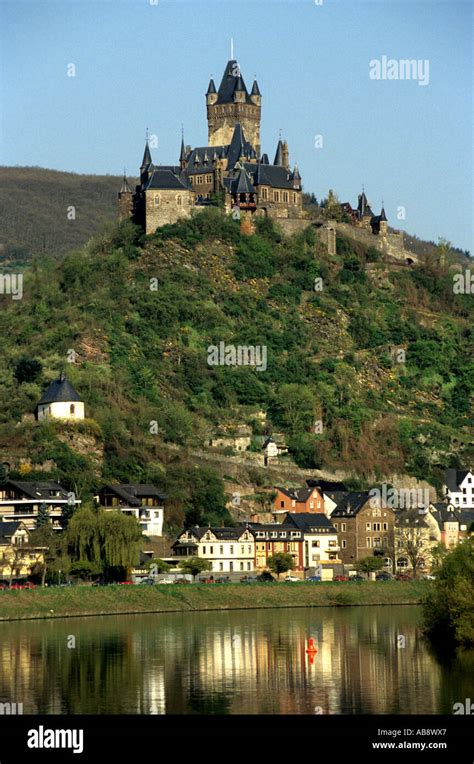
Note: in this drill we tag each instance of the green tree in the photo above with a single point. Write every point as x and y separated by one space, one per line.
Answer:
43 516
157 566
194 565
332 207
447 611
369 565
295 407
280 562
27 369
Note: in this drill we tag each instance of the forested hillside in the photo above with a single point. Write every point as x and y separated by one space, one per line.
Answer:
140 312
34 213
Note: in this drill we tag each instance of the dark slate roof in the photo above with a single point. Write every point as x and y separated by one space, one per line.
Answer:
7 530
146 157
274 528
264 159
255 88
125 188
351 504
363 206
326 485
383 215
211 88
133 492
167 179
198 167
454 478
222 534
37 489
242 184
182 153
310 521
60 390
229 81
466 516
279 154
238 147
270 175
411 518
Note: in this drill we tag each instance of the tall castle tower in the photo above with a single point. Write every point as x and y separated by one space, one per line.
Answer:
233 104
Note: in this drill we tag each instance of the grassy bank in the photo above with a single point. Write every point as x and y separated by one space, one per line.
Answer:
84 600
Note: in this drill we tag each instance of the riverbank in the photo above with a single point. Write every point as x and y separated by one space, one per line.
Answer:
116 600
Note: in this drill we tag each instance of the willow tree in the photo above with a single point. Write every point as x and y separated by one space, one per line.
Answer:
83 536
120 539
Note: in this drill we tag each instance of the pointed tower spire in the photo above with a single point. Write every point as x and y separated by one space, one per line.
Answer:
279 154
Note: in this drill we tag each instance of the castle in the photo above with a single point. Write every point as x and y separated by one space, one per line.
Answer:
230 171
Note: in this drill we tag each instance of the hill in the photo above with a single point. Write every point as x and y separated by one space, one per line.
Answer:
137 316
34 210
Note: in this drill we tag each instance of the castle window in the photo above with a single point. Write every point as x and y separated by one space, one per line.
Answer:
156 200
208 178
285 196
72 409
199 179
265 193
294 198
178 200
276 196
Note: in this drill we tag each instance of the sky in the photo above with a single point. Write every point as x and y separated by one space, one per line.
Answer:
146 64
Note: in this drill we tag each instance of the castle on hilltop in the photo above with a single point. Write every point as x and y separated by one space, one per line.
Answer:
230 171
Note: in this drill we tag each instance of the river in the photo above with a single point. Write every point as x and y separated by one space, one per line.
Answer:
369 660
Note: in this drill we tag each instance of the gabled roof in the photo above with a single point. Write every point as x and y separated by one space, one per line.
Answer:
454 478
230 78
351 504
7 530
133 492
242 184
238 147
222 534
60 390
38 489
270 175
411 518
310 521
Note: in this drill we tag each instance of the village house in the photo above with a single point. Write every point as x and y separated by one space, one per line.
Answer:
416 534
296 500
144 502
459 488
228 550
364 527
332 491
272 538
320 542
20 500
60 401
273 448
18 558
454 525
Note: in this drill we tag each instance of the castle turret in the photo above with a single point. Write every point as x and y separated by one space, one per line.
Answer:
296 178
125 200
182 154
286 155
255 95
146 165
211 95
383 223
279 155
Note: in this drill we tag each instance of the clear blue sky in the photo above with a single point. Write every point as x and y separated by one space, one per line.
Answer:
139 64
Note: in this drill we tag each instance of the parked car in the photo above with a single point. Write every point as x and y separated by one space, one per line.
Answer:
341 578
182 581
382 576
265 577
3 587
29 585
291 578
316 579
148 581
402 577
166 581
248 579
428 577
223 580
357 579
125 583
